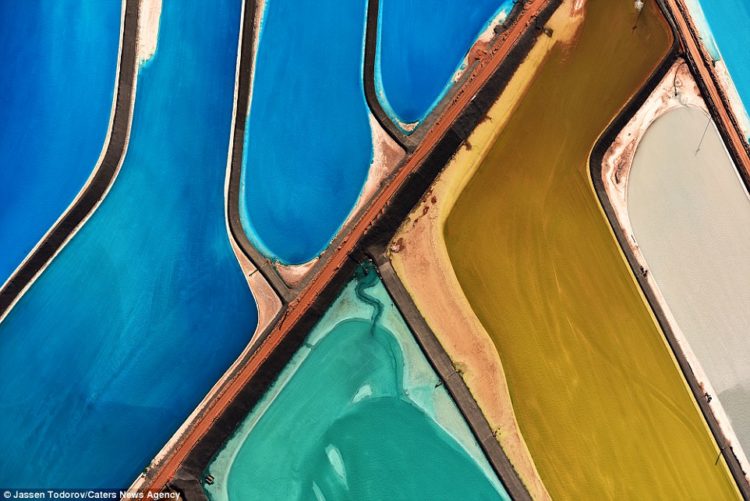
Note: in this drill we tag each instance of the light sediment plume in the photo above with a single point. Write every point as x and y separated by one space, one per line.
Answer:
148 29
367 415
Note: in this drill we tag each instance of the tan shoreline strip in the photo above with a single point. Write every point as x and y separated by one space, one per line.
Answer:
421 260
387 155
676 90
148 29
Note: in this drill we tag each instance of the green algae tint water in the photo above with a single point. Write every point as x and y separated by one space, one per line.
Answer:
357 414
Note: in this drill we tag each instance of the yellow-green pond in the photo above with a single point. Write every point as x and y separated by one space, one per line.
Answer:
599 399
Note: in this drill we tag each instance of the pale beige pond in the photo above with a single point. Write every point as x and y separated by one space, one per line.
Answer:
690 215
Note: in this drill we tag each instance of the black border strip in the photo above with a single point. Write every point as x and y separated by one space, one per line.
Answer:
242 92
595 171
454 383
101 179
371 95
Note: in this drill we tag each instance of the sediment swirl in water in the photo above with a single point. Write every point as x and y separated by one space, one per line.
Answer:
598 397
357 414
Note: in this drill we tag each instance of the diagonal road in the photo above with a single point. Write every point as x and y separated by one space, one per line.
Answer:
525 21
717 100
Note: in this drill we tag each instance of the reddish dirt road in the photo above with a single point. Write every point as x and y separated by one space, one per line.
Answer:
703 64
484 70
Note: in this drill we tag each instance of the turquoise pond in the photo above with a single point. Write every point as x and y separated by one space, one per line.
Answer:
358 413
421 45
308 143
139 315
727 37
56 90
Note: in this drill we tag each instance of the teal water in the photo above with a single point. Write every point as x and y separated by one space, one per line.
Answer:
58 60
357 414
308 143
133 322
727 35
421 45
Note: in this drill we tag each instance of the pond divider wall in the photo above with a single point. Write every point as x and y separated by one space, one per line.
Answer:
101 179
242 95
595 168
454 383
371 95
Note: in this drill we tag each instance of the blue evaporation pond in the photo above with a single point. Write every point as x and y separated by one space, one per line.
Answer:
729 22
58 65
140 314
421 45
308 144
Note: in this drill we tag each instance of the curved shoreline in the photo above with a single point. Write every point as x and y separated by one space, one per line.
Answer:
243 91
596 162
388 140
615 172
102 176
241 388
710 84
458 79
419 255
371 96
286 280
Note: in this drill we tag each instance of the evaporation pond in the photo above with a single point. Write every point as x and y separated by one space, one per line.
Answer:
358 413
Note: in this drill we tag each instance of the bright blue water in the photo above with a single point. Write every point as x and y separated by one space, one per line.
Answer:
729 22
58 61
421 45
308 144
140 314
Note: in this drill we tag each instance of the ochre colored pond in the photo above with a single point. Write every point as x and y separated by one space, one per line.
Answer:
598 397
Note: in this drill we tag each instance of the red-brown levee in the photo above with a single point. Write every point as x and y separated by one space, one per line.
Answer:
484 70
709 82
